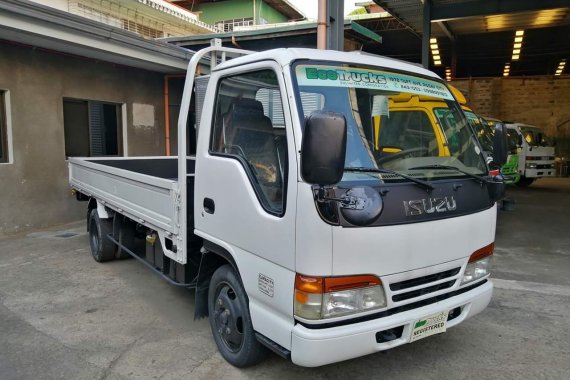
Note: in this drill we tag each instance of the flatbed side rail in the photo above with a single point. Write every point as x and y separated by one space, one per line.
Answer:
146 199
217 54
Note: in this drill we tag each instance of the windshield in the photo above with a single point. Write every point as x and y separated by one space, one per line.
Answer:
513 140
382 133
535 136
482 129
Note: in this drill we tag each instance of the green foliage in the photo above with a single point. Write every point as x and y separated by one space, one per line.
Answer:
358 11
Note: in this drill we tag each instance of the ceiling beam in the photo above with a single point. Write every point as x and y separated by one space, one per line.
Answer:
364 31
447 30
443 12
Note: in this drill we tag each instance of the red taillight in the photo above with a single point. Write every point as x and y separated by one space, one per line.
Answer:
495 172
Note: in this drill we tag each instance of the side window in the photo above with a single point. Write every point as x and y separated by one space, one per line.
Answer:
249 125
91 128
3 129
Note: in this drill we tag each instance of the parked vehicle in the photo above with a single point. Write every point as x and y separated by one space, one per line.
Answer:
435 111
514 141
536 159
297 226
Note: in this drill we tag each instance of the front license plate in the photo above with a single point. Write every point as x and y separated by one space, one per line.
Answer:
430 325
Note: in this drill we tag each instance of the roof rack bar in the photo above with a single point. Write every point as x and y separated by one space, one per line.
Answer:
217 54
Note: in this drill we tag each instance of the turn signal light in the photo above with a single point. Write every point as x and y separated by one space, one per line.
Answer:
479 264
481 253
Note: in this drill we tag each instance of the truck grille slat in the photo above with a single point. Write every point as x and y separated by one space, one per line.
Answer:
422 291
421 286
423 280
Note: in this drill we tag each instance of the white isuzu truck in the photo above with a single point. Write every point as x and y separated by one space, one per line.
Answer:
536 159
310 220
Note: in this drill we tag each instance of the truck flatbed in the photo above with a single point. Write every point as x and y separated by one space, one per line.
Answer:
144 189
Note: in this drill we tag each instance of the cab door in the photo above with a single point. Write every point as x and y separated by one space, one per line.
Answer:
245 192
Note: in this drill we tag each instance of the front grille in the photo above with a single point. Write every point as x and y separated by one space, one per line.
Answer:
423 280
422 291
548 166
425 283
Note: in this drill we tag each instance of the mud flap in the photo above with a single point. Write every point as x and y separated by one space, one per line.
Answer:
202 284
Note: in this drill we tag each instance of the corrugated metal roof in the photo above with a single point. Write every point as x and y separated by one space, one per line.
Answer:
411 13
485 34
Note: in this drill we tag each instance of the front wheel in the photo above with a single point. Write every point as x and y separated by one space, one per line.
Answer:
230 320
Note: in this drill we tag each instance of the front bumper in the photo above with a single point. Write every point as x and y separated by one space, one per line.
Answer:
316 347
537 173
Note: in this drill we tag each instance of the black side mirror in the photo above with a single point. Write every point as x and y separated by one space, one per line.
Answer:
323 149
500 145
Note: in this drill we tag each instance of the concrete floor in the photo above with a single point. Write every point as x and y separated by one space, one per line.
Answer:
64 316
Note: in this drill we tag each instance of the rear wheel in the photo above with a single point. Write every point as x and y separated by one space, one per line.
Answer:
102 248
230 320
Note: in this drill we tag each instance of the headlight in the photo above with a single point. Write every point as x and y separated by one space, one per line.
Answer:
476 270
327 297
530 165
479 264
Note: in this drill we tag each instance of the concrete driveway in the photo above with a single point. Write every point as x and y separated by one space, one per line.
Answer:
64 316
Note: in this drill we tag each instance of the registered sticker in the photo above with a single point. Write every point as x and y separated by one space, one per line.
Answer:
431 325
265 284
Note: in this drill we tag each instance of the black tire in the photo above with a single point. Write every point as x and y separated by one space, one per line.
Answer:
102 248
525 182
230 320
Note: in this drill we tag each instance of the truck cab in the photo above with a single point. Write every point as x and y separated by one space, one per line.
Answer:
536 159
320 222
434 113
514 142
345 264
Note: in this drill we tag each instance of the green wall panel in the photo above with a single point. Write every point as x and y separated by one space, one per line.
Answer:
232 9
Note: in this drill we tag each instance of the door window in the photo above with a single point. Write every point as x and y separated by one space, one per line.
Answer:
249 127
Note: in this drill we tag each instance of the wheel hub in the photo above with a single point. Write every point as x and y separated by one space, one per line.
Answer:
228 316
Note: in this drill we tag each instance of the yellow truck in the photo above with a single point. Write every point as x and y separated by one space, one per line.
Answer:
430 121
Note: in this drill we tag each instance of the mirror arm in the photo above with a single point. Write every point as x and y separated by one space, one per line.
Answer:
345 201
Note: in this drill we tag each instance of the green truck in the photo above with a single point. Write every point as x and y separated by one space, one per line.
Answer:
511 168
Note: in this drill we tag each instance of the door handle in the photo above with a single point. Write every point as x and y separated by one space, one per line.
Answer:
209 205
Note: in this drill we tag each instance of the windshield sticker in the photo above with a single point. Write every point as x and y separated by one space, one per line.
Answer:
380 106
334 76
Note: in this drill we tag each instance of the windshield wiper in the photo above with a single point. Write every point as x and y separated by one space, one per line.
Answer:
450 167
423 184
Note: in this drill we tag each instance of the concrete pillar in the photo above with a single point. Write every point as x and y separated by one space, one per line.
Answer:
426 33
335 30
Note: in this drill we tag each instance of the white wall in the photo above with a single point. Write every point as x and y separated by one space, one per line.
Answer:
59 4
